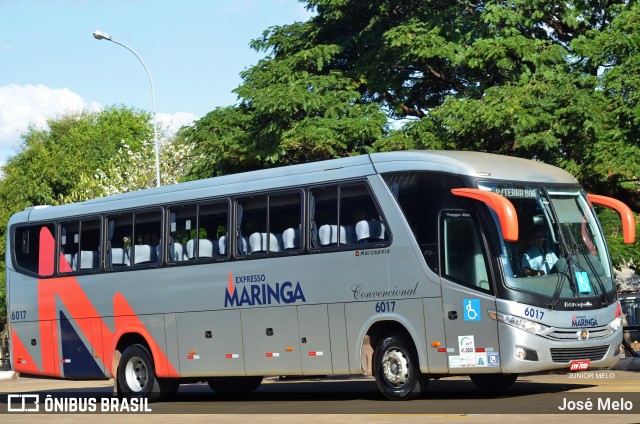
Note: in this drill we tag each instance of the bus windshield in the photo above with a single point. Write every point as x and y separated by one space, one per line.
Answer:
560 252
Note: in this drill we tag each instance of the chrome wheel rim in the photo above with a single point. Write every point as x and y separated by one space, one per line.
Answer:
136 374
395 367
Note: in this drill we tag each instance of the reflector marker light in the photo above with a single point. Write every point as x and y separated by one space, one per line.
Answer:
316 353
232 356
273 354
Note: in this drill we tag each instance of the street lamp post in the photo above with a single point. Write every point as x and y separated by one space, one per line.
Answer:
98 35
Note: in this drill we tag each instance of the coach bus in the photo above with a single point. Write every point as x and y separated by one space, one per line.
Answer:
407 266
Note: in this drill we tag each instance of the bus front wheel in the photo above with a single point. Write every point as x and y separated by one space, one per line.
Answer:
396 368
493 382
136 374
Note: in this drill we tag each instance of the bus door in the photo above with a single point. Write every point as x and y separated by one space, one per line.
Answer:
467 294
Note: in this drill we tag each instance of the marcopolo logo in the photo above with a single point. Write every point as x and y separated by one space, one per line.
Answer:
254 290
583 321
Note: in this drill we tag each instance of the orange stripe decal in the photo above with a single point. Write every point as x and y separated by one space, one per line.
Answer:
71 294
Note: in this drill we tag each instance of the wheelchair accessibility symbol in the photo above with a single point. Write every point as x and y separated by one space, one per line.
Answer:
471 309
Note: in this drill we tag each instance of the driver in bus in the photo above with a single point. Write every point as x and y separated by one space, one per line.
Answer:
537 260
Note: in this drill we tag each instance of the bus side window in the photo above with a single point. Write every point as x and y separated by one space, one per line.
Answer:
212 228
324 218
345 215
463 256
79 246
28 249
358 212
69 240
285 221
120 232
147 232
252 235
89 253
421 196
182 231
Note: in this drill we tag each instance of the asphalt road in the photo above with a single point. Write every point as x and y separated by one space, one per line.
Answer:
613 395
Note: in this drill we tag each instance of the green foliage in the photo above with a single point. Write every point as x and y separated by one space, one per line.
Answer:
553 81
52 164
557 82
58 165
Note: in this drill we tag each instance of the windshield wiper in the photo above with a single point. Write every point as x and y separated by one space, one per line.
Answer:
592 268
556 294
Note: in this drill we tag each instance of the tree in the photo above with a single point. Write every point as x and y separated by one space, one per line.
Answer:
551 81
85 155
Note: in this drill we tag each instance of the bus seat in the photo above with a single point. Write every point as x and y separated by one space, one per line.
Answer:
206 249
258 242
176 252
89 259
291 239
118 257
145 253
328 235
367 231
70 258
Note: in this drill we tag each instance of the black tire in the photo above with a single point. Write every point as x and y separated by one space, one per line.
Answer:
493 382
137 376
396 369
234 385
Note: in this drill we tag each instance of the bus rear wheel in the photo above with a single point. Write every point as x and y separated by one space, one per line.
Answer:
232 385
493 382
396 369
137 377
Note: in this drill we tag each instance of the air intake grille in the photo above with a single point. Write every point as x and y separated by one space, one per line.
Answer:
572 333
530 355
564 355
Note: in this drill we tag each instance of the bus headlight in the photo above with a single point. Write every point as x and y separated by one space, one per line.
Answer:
521 323
616 323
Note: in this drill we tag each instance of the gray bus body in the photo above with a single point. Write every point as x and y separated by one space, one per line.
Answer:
367 264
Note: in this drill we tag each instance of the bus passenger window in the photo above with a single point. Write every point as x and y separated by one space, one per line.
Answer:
146 231
212 229
285 221
198 232
29 248
359 220
69 240
324 218
182 230
358 211
120 232
252 226
269 225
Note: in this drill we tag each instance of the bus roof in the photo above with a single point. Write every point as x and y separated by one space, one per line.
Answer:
474 164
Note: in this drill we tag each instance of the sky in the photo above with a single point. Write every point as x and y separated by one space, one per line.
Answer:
195 50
